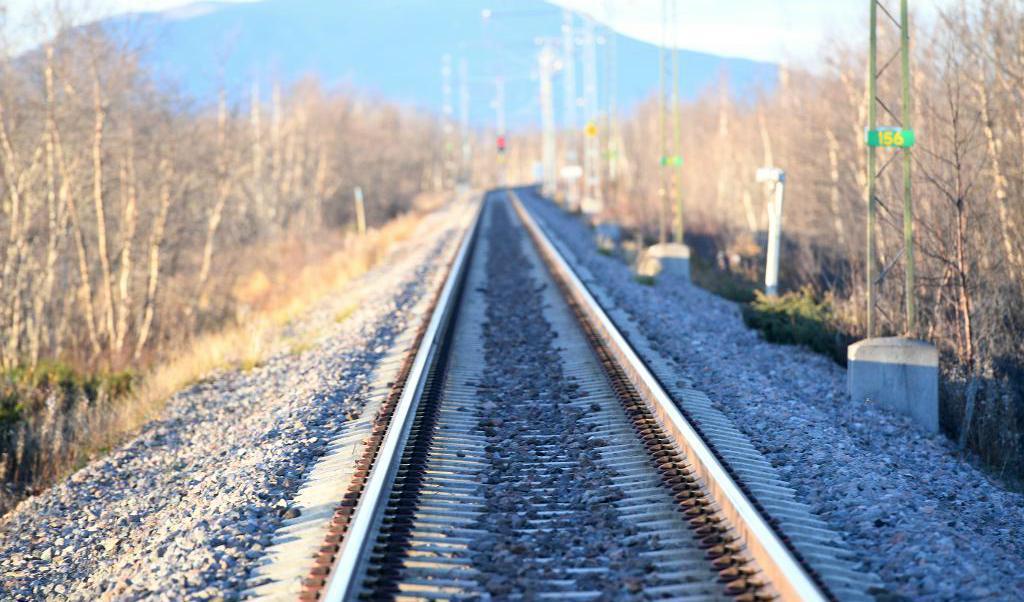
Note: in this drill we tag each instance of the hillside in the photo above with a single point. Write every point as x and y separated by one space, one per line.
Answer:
393 48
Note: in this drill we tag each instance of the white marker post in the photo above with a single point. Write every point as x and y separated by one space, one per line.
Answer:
777 178
360 210
571 174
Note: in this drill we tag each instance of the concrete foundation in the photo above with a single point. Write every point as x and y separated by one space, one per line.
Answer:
608 237
671 260
901 374
591 206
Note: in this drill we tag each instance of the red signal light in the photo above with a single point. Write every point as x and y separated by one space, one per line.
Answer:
501 144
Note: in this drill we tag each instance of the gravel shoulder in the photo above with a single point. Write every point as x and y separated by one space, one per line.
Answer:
932 526
185 509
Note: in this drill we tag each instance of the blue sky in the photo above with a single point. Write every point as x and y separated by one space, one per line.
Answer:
771 30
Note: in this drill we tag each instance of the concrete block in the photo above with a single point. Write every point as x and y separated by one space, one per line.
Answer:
591 206
670 259
608 237
630 251
901 374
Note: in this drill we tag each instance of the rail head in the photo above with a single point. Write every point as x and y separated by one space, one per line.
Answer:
784 571
345 574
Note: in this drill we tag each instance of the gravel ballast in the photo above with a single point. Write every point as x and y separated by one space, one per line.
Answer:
185 509
545 471
932 526
523 476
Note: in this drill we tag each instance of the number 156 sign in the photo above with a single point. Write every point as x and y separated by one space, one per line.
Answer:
889 137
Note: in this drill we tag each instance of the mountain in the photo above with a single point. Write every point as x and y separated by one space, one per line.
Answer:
393 48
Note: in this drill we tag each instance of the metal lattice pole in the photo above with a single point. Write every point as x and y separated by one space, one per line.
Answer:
447 123
677 146
546 64
899 137
663 81
872 166
569 98
908 213
612 79
464 142
592 144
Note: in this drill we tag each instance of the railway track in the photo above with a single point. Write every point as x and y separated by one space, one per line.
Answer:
525 451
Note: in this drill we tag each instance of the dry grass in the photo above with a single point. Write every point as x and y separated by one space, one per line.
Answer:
286 296
343 315
58 441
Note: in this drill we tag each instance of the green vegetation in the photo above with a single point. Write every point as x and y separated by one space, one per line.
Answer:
344 314
795 318
249 364
301 346
24 390
730 285
798 318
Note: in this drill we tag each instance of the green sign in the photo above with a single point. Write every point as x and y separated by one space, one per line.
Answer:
890 137
672 160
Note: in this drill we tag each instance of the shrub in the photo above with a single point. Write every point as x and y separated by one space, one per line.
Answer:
23 390
46 412
729 285
798 318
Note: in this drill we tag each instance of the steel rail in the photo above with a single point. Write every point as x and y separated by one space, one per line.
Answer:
781 568
345 574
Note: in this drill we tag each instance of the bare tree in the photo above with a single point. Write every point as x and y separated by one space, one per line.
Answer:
223 192
156 238
129 222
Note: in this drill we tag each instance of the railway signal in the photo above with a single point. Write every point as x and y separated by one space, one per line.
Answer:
499 110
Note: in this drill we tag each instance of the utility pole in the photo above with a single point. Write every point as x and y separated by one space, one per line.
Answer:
546 61
900 137
571 150
447 122
592 144
464 169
